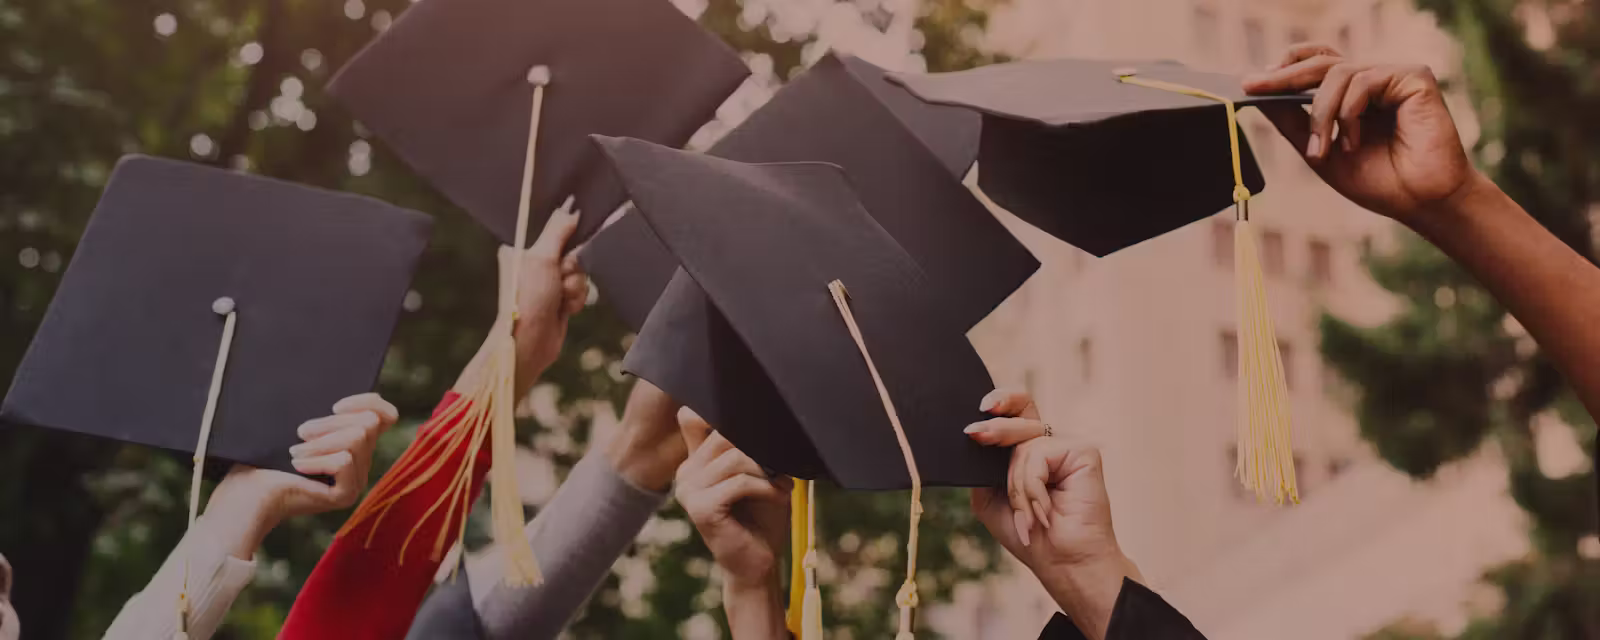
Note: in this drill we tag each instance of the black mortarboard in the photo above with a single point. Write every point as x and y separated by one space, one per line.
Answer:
628 266
1094 161
448 88
764 241
128 346
843 110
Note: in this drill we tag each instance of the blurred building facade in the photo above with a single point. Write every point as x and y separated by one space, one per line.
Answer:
1136 350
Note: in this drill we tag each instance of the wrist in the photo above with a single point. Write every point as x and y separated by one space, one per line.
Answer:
1087 588
755 609
1439 221
240 522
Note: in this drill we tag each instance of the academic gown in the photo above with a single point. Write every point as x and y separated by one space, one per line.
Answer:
1139 614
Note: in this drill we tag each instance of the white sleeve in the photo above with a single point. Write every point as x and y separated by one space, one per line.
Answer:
215 579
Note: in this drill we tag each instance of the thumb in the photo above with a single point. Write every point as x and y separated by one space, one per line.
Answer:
695 428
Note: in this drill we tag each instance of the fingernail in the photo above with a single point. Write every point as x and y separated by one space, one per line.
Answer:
1020 518
1347 142
1314 146
988 403
1044 516
294 451
974 428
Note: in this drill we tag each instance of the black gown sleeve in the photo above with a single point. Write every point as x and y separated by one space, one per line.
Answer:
1139 614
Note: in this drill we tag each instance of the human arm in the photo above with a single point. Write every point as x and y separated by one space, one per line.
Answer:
1396 152
743 516
1055 515
593 518
218 552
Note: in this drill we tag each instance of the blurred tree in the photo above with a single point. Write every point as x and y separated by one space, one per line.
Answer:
237 83
1452 369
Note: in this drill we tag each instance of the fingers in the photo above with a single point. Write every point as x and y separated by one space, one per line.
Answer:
1035 473
1300 76
313 429
723 495
1005 432
1021 512
325 465
574 292
729 463
1325 109
1365 87
695 428
1305 51
1008 402
558 230
368 402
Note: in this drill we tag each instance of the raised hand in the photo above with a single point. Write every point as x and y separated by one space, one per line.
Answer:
1396 150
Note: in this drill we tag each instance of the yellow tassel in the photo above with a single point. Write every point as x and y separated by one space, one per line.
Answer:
798 500
811 605
1265 456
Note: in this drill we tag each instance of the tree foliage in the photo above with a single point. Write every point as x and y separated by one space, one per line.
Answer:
1452 370
238 83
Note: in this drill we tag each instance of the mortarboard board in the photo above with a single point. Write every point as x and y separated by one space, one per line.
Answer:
1105 155
128 347
887 148
448 88
628 266
1097 162
764 241
845 111
758 241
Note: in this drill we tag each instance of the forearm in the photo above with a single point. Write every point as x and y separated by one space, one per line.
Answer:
1087 591
755 610
578 536
216 556
1550 289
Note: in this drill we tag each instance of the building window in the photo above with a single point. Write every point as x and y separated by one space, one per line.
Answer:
1205 28
1085 359
1230 354
1255 42
1345 45
1272 252
1222 242
1286 356
1299 35
1321 262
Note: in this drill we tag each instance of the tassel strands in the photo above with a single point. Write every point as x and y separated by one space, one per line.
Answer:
226 308
811 604
486 409
907 596
1265 454
799 529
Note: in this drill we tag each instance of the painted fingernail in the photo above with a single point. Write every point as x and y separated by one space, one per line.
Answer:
1314 146
1348 142
1020 518
988 403
294 451
1044 516
974 428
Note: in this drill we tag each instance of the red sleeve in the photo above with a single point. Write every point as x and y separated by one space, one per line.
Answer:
361 589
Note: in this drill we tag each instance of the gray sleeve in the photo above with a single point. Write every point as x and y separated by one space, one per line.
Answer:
589 523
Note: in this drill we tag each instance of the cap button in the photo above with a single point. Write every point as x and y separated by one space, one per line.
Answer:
1123 72
222 306
539 75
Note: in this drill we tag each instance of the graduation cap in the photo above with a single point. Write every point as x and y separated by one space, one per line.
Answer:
842 110
452 87
1101 163
1107 154
213 312
830 114
460 90
866 350
128 349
